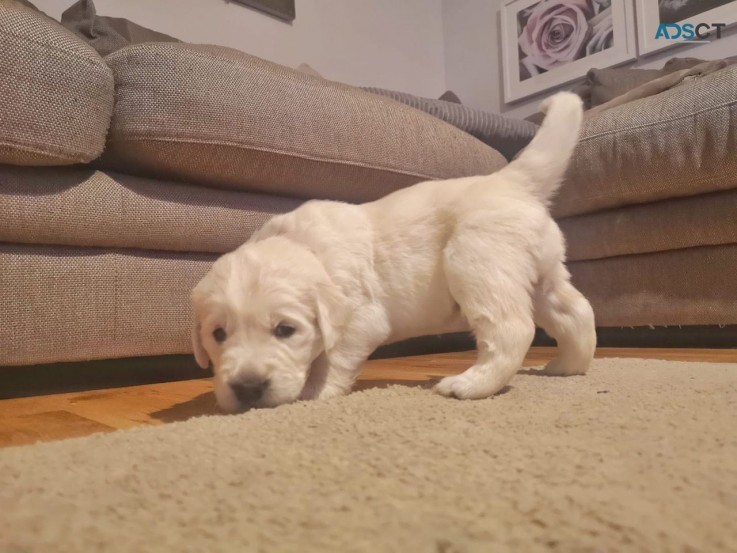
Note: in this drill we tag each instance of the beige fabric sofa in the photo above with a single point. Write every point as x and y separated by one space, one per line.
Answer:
166 155
191 149
650 207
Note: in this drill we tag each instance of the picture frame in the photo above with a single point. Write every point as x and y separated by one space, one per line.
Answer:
281 9
696 11
532 64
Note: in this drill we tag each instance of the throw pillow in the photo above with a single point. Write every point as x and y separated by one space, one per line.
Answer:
107 34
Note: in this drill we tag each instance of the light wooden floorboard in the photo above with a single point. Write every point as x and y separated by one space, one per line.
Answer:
58 416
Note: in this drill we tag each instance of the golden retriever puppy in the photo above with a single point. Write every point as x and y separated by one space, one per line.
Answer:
295 312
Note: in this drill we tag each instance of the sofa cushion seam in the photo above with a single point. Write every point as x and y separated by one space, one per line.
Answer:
275 151
729 104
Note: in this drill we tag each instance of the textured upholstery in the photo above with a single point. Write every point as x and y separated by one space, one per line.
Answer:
507 135
56 91
678 143
607 84
72 304
84 207
693 286
216 116
704 220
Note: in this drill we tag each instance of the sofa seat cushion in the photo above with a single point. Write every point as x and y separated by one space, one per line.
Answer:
682 142
692 286
84 207
705 220
56 93
215 116
75 304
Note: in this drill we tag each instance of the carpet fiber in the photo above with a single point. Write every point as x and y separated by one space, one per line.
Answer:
635 456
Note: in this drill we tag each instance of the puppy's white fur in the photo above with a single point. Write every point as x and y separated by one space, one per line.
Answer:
479 253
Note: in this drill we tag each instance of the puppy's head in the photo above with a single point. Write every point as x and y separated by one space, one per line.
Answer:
263 314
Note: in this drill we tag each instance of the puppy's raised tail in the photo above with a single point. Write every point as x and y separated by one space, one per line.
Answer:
540 167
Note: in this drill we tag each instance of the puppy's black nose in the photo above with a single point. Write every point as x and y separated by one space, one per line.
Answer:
249 390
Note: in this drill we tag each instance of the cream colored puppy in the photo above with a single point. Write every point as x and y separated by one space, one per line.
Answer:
295 312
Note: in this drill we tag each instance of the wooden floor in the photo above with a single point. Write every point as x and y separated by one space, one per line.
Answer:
54 417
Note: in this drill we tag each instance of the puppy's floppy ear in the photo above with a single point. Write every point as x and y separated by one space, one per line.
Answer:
200 355
333 312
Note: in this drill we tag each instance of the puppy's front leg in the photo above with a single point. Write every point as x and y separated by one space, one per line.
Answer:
334 372
340 374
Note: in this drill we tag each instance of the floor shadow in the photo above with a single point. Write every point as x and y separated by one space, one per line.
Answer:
103 374
203 404
538 372
425 384
370 384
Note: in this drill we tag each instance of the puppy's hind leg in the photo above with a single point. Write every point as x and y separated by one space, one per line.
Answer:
493 289
566 315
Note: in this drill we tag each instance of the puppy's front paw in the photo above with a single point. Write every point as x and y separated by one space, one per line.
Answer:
558 367
331 391
459 386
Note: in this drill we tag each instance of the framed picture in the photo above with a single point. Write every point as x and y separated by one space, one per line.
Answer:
547 43
283 9
651 13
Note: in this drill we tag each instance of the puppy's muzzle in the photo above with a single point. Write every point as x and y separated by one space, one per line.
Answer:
248 391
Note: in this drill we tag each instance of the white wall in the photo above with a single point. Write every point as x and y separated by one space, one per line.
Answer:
472 67
396 44
420 46
473 56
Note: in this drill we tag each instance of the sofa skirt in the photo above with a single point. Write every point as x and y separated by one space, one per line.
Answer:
75 304
692 286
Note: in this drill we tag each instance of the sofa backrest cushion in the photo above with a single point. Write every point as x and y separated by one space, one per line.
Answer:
215 116
681 142
507 135
56 91
607 84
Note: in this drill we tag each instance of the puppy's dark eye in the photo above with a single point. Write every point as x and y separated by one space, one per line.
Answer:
283 330
219 335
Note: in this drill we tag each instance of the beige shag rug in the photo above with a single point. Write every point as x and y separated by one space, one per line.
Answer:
636 456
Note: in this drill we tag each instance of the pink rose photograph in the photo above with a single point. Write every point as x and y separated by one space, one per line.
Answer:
547 43
552 33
